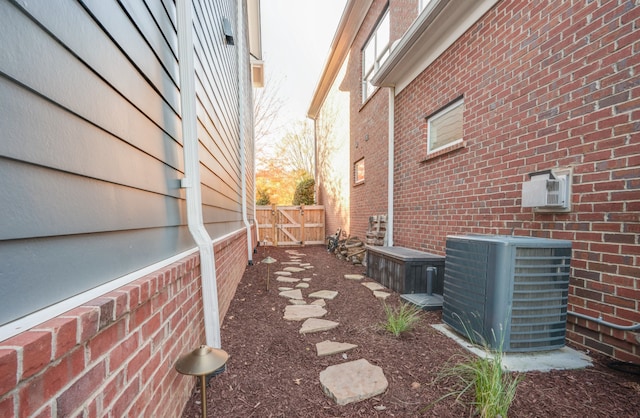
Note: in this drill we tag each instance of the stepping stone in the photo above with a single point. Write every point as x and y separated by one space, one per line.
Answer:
293 269
282 273
353 381
373 286
282 289
292 294
302 312
327 348
306 279
297 302
324 294
302 285
381 295
290 262
353 276
305 264
319 302
308 267
317 325
283 279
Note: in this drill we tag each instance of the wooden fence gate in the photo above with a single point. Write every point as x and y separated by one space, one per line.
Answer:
290 225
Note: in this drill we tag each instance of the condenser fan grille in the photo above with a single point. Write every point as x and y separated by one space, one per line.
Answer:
508 293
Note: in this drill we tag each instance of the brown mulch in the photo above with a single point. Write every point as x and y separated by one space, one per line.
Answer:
273 370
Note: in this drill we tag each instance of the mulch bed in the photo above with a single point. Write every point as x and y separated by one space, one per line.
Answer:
273 370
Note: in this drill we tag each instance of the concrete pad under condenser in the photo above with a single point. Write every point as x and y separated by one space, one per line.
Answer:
564 358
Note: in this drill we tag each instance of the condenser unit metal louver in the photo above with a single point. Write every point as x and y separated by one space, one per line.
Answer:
508 293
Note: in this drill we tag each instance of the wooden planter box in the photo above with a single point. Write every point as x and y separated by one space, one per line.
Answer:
404 270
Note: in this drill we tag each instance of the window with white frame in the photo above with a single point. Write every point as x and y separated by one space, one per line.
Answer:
374 53
444 128
358 171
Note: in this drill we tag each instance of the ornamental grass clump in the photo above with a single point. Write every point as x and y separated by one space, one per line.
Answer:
493 388
483 377
400 319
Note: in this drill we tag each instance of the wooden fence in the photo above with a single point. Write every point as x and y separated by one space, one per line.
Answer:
290 225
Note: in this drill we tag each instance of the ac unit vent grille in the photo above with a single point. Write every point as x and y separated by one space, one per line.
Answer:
508 293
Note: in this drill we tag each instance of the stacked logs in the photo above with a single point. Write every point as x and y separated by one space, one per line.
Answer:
351 249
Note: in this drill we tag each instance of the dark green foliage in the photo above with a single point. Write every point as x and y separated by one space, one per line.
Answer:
304 194
262 197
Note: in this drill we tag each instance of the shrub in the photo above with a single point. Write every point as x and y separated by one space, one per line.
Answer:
262 197
304 194
493 389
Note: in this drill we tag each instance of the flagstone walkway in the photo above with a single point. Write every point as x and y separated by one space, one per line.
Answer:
344 382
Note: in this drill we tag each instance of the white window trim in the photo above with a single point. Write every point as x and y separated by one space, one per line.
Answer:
422 4
441 113
379 56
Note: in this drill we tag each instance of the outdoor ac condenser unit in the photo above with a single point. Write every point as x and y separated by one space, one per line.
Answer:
508 293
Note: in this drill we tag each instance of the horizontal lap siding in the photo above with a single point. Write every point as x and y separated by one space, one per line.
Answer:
91 152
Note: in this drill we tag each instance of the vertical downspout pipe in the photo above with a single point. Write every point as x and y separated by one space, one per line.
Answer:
243 99
389 235
191 181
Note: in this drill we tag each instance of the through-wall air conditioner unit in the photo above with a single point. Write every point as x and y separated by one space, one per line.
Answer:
547 190
507 293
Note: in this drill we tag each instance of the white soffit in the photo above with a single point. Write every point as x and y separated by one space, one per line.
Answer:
439 25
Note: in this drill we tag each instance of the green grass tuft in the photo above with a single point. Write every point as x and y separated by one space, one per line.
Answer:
400 319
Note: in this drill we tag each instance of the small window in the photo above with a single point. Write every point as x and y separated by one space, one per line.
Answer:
358 171
445 127
374 53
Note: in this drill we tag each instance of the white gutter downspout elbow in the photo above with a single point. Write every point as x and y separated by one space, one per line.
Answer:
389 235
243 99
191 182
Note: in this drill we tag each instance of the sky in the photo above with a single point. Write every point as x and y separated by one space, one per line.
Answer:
296 37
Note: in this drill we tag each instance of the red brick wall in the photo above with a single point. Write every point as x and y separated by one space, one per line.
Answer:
369 120
553 84
115 356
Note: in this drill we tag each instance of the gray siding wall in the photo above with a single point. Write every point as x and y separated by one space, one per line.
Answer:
91 147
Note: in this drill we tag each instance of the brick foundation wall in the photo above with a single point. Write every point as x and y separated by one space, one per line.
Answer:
552 84
114 356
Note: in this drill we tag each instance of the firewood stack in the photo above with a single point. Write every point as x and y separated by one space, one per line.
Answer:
351 249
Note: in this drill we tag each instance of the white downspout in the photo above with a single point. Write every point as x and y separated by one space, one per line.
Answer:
191 181
389 234
243 99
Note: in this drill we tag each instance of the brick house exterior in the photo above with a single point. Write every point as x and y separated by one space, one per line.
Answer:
367 129
545 85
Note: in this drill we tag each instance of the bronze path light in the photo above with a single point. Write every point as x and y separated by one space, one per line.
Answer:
268 261
201 362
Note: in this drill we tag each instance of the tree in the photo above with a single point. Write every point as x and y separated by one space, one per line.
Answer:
304 194
296 149
267 105
263 197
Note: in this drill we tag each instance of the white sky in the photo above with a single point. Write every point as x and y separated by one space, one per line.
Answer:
296 36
